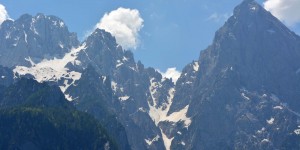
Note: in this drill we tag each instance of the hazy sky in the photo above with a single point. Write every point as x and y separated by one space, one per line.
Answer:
163 33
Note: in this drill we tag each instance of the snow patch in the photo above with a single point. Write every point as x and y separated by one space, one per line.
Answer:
188 82
132 68
30 61
114 86
124 59
61 45
253 8
270 121
53 70
297 131
65 86
118 65
7 36
149 142
25 35
122 89
261 130
61 24
265 140
107 146
278 107
196 66
245 97
124 98
32 27
182 143
153 89
142 109
103 79
167 141
160 114
69 98
179 116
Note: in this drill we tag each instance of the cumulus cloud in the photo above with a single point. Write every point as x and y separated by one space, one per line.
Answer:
124 24
3 14
171 73
287 11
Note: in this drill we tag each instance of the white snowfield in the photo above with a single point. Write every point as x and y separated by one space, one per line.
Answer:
54 70
159 114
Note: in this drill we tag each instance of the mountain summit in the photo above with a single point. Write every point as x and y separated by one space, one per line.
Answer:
247 84
34 38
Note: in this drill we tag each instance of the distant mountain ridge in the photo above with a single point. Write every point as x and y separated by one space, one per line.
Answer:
242 92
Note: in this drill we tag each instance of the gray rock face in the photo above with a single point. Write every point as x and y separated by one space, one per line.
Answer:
129 83
246 86
93 95
36 38
185 87
242 93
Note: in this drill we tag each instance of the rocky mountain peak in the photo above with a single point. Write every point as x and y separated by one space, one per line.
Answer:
250 19
34 37
252 33
247 7
251 67
105 54
102 34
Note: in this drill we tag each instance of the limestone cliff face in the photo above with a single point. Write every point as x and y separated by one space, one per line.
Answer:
34 37
247 84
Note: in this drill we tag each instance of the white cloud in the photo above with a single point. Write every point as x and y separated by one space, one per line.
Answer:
287 11
216 17
171 73
124 24
3 14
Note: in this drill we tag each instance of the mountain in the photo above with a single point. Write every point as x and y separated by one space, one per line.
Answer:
122 83
94 96
124 91
34 38
37 116
242 92
245 95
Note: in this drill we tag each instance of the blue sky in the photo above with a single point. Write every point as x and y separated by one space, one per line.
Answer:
173 34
